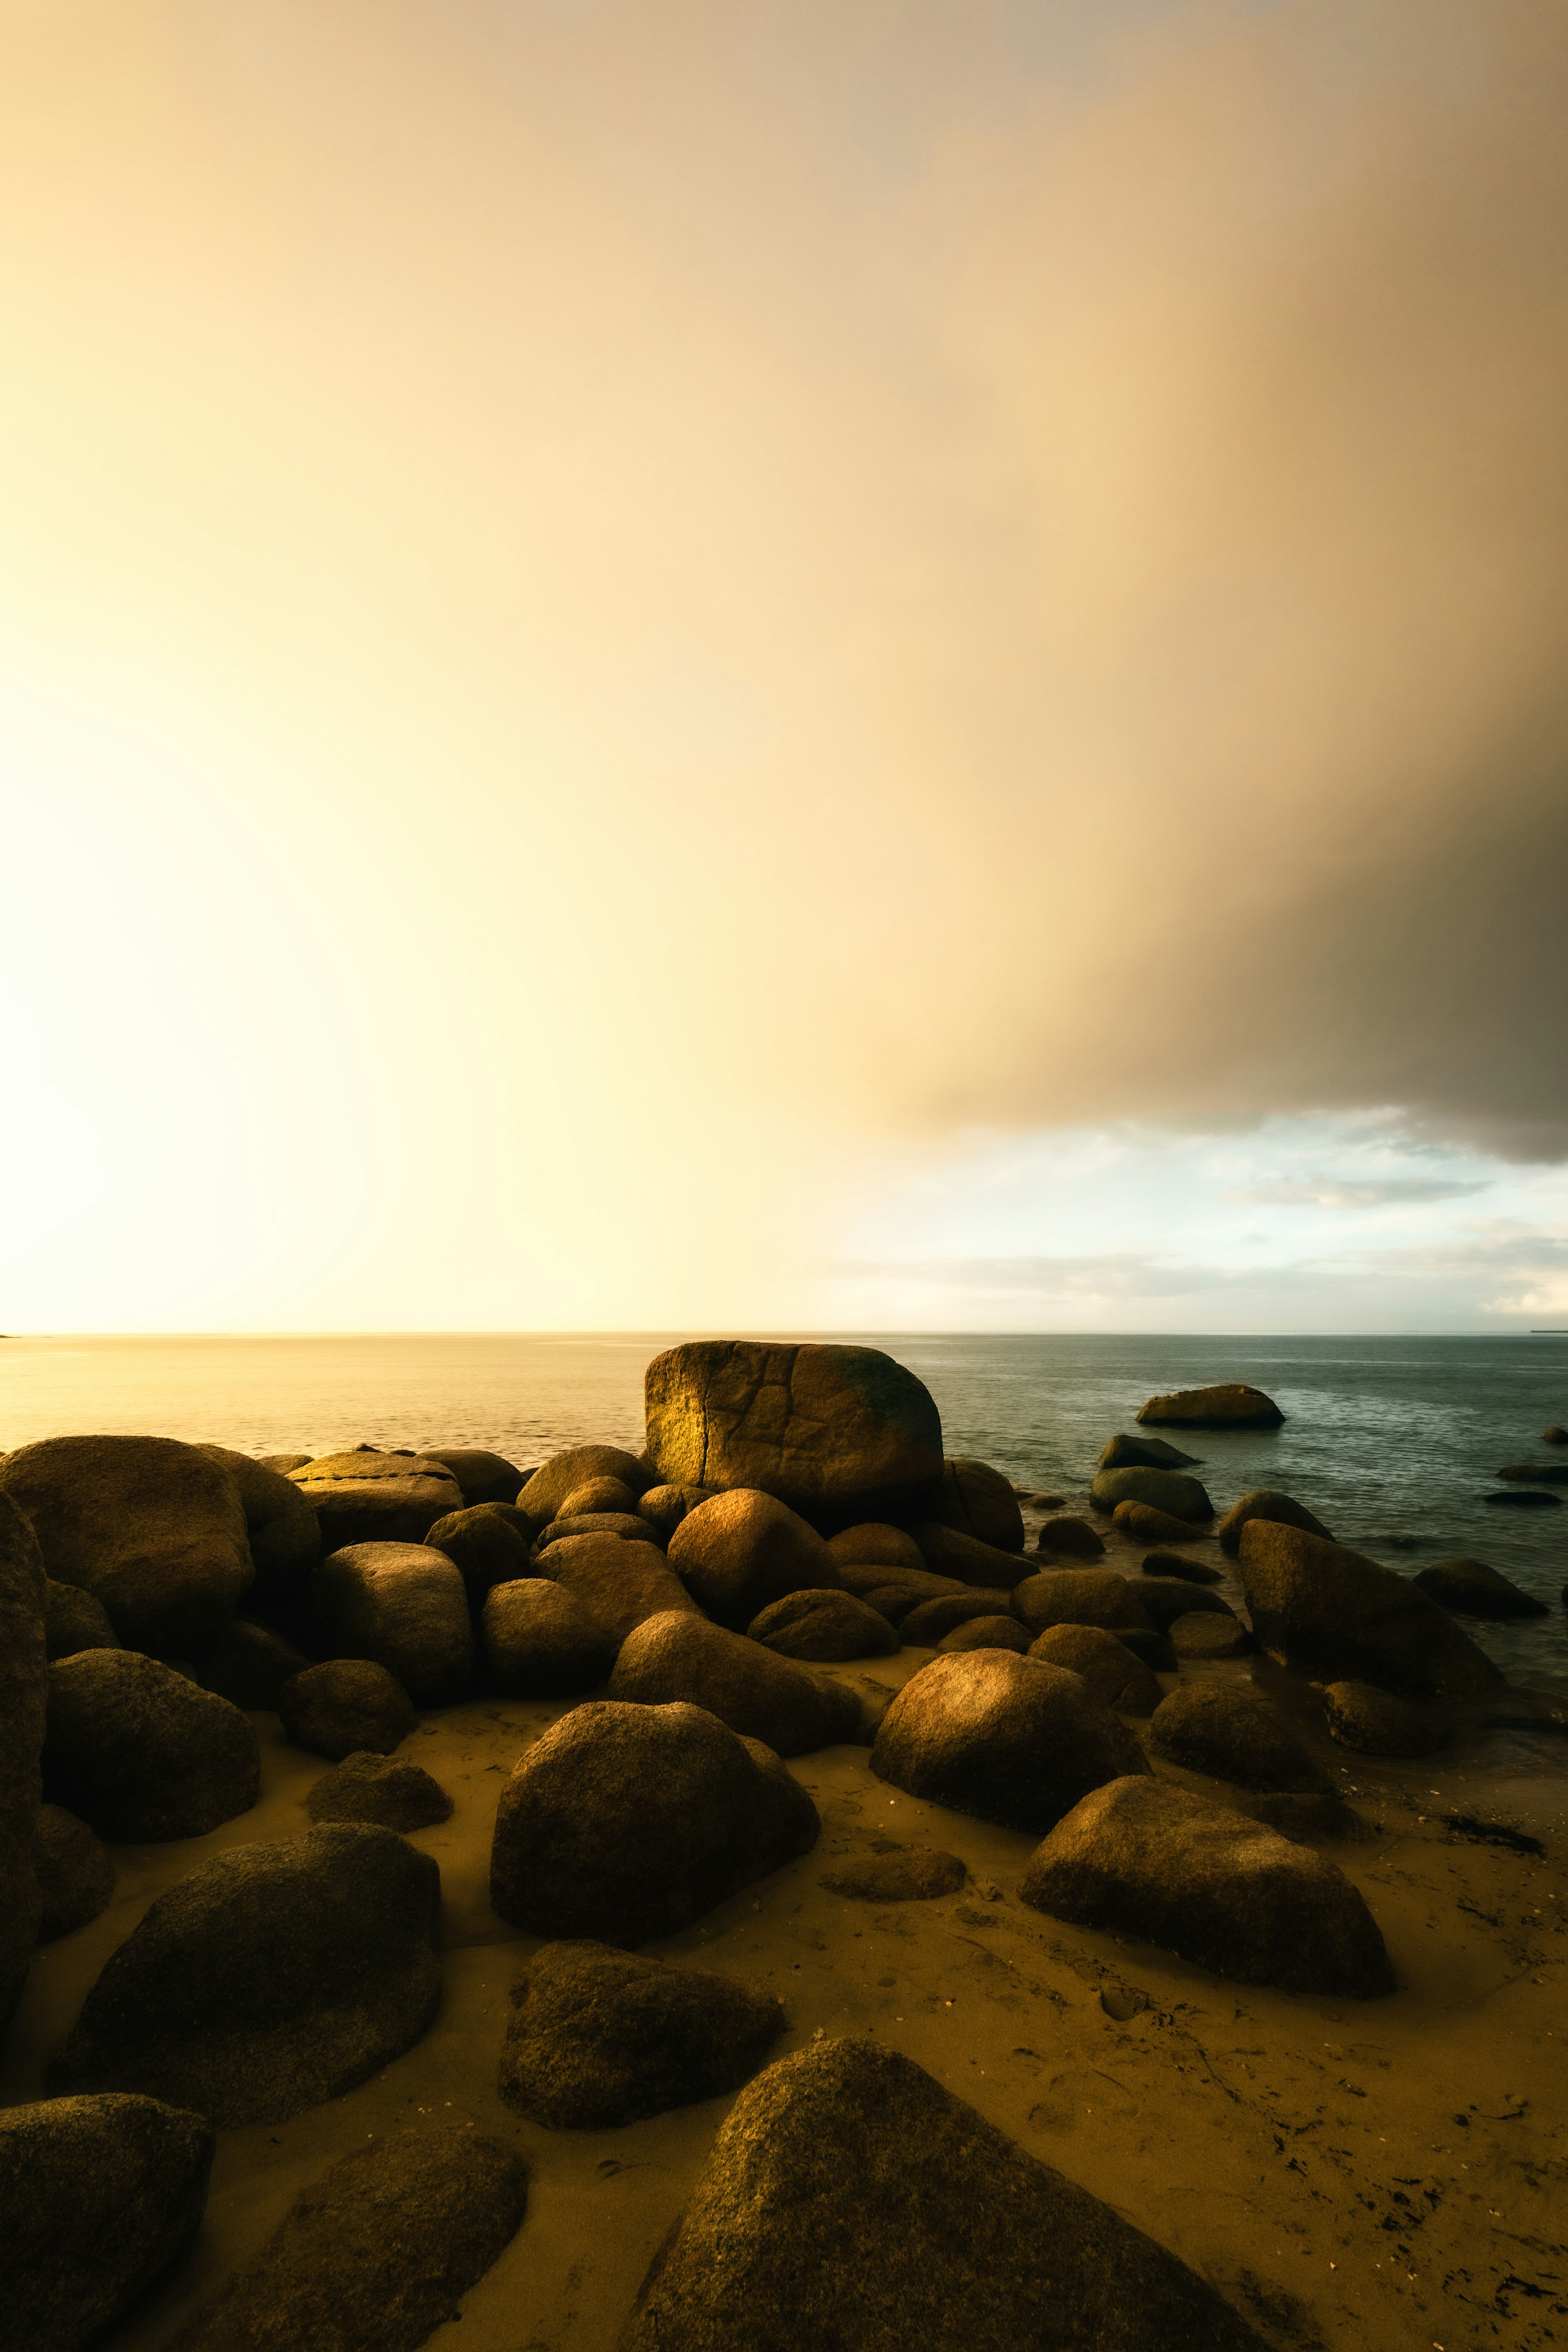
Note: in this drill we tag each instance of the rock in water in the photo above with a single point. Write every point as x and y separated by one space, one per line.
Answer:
99 2196
273 1977
76 1877
1232 1405
1080 1596
1176 1563
823 1628
1330 1613
839 1434
1141 1858
481 1476
753 1690
1215 1728
741 1551
1474 1589
143 1754
979 1502
1127 1452
149 1525
75 1620
1111 1674
1005 1738
1267 1503
345 1705
405 1607
603 2038
366 1787
1070 1538
24 1685
376 1499
540 1641
554 1480
625 1821
850 2199
1144 1524
1172 1492
1375 1723
374 2256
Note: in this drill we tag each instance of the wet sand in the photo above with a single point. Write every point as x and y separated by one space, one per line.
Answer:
1308 2155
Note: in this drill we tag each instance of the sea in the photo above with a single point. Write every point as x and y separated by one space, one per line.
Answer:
1394 1441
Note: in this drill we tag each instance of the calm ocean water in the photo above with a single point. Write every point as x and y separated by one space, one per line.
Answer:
1393 1441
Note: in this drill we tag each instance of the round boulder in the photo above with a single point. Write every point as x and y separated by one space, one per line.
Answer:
620 1584
596 1494
985 1634
682 1657
875 1544
1204 1634
76 1877
1112 1676
74 1619
143 1754
482 1477
1171 1491
249 1665
979 1502
931 1621
345 1705
1375 1723
1267 1503
366 1787
741 1551
551 1484
484 1545
540 1642
405 1607
1141 1524
823 1628
1079 1596
365 1497
1336 1616
1212 1726
1165 1599
663 1507
1231 1405
1070 1538
1472 1589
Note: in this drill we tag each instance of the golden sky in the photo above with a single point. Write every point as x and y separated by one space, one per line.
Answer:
630 631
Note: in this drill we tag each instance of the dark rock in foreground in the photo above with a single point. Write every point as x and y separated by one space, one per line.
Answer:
24 1683
1142 1858
366 1787
76 1877
753 1690
1231 1405
1215 1728
345 1705
896 1874
850 2200
1376 1723
1474 1589
99 2196
1327 1612
603 2037
273 1977
623 1822
1005 1738
374 2256
250 1665
142 1753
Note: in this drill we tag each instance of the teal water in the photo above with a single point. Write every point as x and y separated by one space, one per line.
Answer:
1393 1441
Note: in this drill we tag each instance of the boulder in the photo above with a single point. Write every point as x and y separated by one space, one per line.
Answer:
596 1495
874 1544
979 1502
249 1665
404 1606
367 1786
1006 1738
273 1976
482 1477
374 2256
931 1621
1327 1612
99 2196
947 1552
282 1463
1124 1452
763 1696
1375 1723
911 1585
1554 1435
1217 1728
74 1619
281 1529
24 1686
1536 1474
1305 1820
1141 1524
1112 1676
839 1434
1473 1590
985 1634
631 1526
1203 1633
377 1498
1139 1857
76 1877
1070 1538
850 2200
1267 1503
823 1628
1172 1491
619 1585
1165 1599
142 1753
1233 1405
484 1546
897 1874
150 1526
1175 1563
540 1641
1524 1499
663 1507
602 2038
625 1822
1151 1650
743 1550
551 1484
1080 1596
343 1705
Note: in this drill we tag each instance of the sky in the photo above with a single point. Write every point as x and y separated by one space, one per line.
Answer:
678 663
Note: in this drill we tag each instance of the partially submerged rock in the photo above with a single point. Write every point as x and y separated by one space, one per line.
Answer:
1125 1451
823 1628
623 1822
345 1705
1327 1612
602 2038
1267 1503
142 1752
76 1877
1474 1589
99 2196
682 1657
386 1790
273 1977
374 2256
1376 1723
1231 1405
1172 1492
1139 1857
744 1549
1006 1738
850 2199
1070 1537
1217 1728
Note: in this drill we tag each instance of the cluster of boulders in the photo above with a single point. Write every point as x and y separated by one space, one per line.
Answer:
793 1510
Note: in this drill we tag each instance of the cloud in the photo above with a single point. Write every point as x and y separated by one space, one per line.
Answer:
1357 1193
